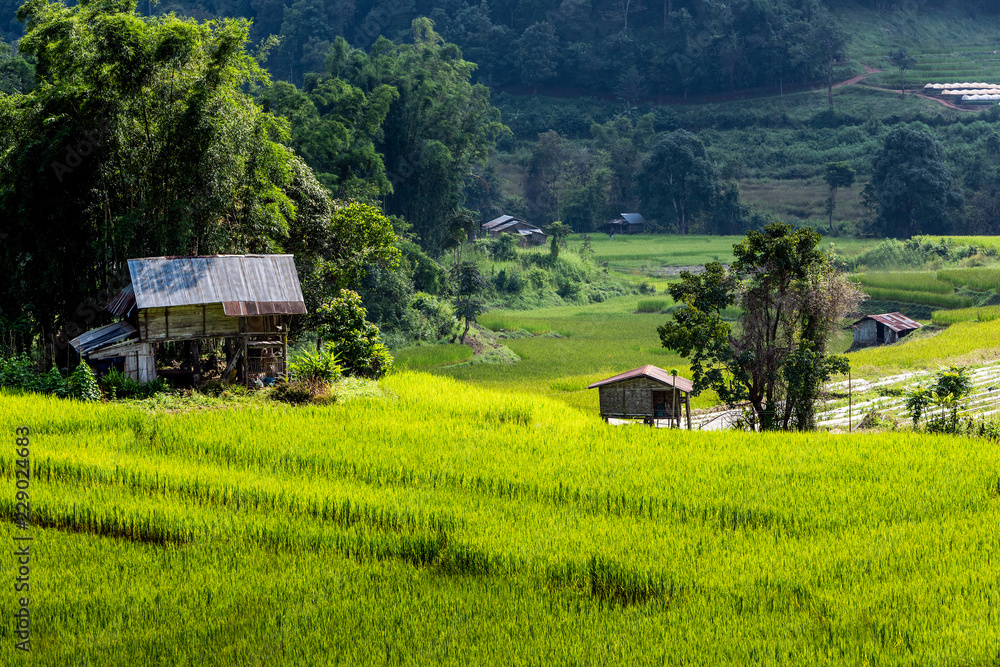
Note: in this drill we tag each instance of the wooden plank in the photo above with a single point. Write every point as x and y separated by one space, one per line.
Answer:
186 322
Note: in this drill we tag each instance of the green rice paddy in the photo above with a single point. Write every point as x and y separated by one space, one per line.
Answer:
451 524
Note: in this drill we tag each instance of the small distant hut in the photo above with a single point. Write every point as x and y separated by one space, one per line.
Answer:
626 223
245 300
882 329
645 393
526 233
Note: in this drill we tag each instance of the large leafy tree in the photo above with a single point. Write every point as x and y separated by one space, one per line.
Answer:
912 186
138 140
334 126
440 129
791 298
678 180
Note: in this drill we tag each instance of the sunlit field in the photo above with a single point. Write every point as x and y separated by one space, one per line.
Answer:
449 524
575 346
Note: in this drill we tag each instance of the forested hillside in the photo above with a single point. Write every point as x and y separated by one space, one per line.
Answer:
629 48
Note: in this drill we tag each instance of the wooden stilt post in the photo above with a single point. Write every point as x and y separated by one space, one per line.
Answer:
687 402
284 355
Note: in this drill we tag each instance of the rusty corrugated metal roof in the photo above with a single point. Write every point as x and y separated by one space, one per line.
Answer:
895 321
651 372
244 284
95 339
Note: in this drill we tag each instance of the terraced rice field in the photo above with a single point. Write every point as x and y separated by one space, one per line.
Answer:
956 64
453 525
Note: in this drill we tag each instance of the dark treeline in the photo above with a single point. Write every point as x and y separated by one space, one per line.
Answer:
634 49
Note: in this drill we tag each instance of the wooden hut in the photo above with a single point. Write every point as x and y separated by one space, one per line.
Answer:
526 233
882 329
645 393
245 299
626 223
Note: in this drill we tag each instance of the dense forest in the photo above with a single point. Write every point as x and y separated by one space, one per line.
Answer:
190 132
634 49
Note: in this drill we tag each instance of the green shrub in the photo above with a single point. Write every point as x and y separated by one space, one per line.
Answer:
433 318
117 385
18 373
212 388
356 341
53 383
651 305
296 392
83 385
315 368
501 249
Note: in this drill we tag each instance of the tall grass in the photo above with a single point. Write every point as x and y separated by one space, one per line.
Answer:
651 305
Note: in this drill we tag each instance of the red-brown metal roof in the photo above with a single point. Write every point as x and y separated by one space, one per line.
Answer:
895 321
651 372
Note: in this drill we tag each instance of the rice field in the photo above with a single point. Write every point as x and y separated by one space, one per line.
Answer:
984 314
904 281
961 343
979 279
926 298
446 523
574 346
430 356
650 254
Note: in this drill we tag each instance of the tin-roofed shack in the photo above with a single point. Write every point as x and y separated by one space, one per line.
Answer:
626 223
525 232
246 300
646 393
882 329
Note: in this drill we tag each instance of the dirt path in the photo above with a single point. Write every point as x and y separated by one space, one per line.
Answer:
872 70
939 100
859 78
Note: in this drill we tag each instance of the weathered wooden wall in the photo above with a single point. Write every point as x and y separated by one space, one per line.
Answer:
866 333
634 398
140 359
180 322
140 363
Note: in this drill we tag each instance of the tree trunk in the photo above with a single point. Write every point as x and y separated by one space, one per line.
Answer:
833 195
829 82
